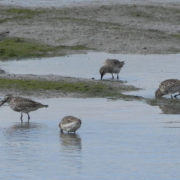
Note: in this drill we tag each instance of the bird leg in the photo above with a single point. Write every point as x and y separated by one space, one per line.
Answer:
112 76
28 116
117 76
61 131
21 117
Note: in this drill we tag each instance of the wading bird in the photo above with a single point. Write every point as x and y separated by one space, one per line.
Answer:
21 104
169 86
112 66
70 124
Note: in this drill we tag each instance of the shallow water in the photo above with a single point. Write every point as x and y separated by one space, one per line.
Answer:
117 140
143 71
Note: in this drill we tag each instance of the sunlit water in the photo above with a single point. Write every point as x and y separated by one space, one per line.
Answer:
143 71
117 140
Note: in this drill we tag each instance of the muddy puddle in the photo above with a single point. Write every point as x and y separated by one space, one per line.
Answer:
117 140
143 71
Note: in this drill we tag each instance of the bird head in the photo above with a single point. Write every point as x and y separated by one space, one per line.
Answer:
102 71
121 64
7 98
158 93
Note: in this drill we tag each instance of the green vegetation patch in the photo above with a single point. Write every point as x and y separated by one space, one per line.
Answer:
18 14
76 47
23 11
90 89
16 48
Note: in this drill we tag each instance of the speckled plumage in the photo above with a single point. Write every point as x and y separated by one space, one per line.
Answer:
70 124
112 66
21 104
169 86
114 62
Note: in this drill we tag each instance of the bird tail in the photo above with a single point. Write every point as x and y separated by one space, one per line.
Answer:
45 106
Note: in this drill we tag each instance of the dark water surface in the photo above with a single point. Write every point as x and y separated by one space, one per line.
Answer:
118 140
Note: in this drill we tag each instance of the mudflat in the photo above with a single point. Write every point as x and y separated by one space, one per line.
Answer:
141 28
119 28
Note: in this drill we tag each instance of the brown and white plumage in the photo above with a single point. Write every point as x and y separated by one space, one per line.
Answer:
113 62
169 86
112 66
21 104
70 124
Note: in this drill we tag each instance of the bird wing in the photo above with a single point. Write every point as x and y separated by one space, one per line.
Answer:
24 102
170 86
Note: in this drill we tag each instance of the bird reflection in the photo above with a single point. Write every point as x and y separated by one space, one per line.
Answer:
71 155
170 108
22 128
70 142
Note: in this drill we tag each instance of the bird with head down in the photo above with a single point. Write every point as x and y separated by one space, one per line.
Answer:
169 86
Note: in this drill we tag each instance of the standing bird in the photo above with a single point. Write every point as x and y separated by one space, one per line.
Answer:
23 105
70 124
169 86
111 66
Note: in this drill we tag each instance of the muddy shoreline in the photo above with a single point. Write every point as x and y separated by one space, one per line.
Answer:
117 28
69 86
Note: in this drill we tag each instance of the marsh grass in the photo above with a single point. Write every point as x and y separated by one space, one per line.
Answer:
16 14
18 48
89 89
76 47
23 13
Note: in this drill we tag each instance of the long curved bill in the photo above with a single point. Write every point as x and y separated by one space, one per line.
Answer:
2 102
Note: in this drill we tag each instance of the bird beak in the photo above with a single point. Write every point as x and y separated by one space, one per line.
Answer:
2 102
